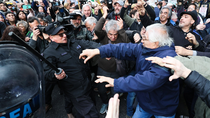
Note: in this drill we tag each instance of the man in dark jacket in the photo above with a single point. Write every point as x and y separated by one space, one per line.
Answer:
97 13
115 15
79 31
164 17
108 67
182 32
37 41
155 94
74 79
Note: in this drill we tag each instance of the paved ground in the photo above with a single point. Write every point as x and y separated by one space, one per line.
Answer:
58 110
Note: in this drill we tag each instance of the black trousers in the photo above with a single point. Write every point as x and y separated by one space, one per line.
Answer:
78 96
48 91
83 104
101 86
190 97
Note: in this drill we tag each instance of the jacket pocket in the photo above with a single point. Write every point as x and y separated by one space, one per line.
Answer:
64 58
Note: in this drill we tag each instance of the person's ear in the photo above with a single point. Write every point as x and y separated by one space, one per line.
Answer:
132 15
192 22
51 37
157 44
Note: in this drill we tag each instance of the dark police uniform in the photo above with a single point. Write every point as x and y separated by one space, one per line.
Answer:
77 86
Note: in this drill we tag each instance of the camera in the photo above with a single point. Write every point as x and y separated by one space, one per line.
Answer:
62 20
41 29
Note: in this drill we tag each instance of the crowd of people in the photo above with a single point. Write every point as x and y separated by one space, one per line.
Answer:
118 47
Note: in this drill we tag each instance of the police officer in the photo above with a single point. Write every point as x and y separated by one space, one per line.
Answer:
74 79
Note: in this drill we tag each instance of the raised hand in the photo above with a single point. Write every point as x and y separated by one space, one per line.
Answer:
102 79
191 38
88 54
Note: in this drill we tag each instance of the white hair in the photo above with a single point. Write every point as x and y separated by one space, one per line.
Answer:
159 33
90 20
24 23
85 5
112 25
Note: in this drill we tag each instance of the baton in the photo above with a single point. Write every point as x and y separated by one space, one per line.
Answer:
58 71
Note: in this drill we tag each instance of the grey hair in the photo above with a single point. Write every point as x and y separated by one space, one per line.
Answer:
90 20
112 25
85 6
159 33
169 13
24 23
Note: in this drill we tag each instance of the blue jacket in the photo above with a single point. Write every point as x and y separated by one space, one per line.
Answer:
155 93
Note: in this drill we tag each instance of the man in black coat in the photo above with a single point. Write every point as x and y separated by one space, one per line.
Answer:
74 79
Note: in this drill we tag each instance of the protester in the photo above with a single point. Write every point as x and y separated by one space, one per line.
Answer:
21 15
3 8
86 11
156 42
192 78
79 32
11 20
123 22
23 25
16 30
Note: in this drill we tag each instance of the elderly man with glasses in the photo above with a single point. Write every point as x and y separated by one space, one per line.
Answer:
156 95
74 79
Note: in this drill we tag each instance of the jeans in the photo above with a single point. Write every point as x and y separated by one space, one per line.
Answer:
140 113
130 100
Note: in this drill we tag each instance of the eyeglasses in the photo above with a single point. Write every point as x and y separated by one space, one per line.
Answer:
144 38
61 34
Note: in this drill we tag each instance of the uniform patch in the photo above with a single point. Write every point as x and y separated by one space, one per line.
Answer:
78 47
64 53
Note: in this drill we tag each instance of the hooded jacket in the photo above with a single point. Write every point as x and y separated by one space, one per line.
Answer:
155 93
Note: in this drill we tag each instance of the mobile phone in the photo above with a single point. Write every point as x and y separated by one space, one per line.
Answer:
26 6
29 6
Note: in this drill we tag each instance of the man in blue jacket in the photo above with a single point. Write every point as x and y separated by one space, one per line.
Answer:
155 93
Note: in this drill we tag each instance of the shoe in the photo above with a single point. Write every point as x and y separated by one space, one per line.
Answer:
48 107
103 108
70 115
128 116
